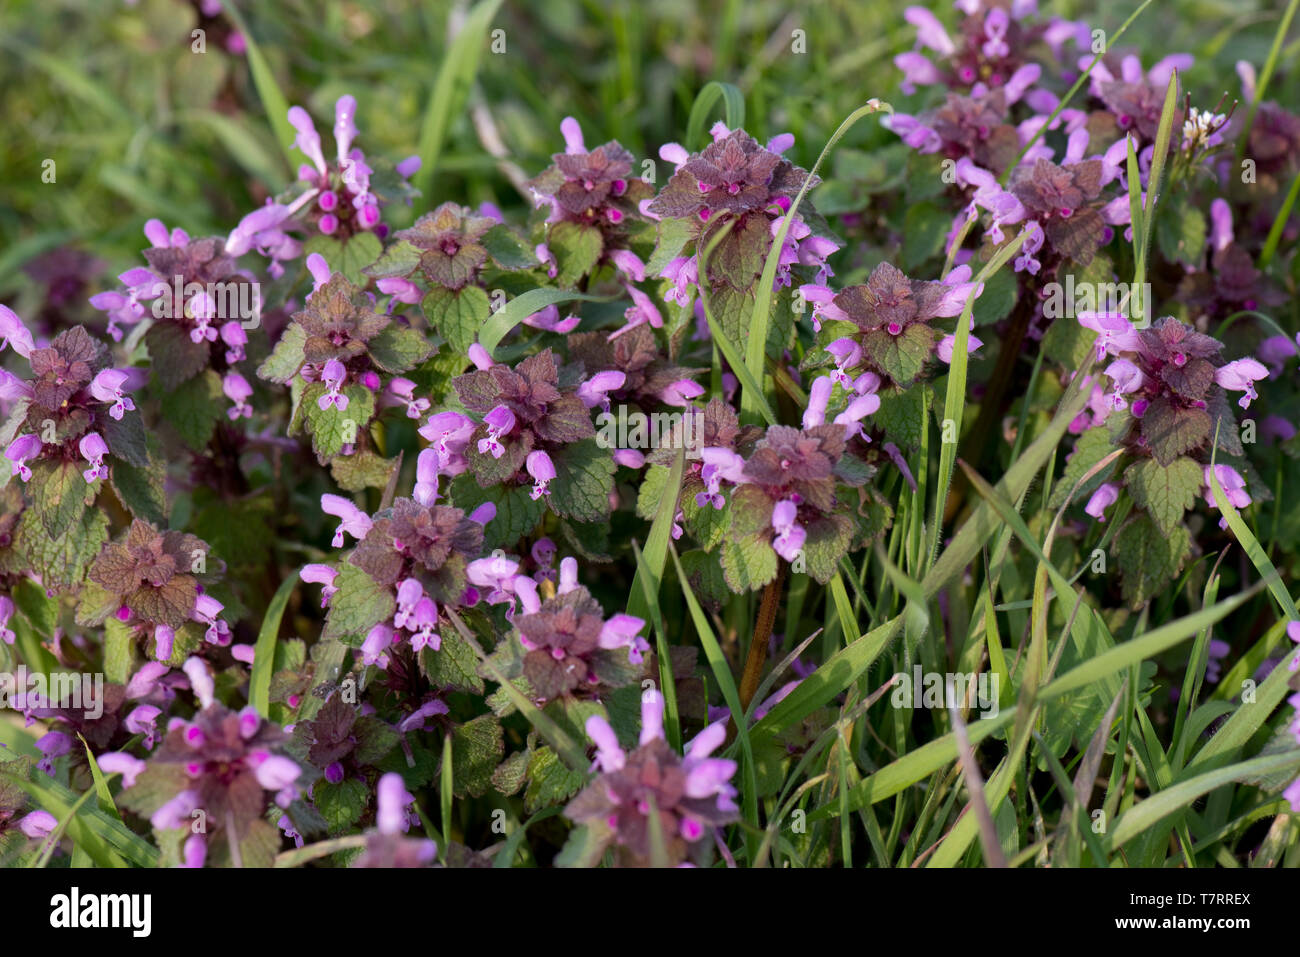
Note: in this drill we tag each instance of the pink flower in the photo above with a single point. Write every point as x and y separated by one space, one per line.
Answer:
237 390
14 333
1241 375
352 520
789 534
20 450
107 387
542 469
1101 500
93 449
334 374
499 422
318 574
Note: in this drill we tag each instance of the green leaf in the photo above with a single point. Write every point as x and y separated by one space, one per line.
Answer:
1171 431
517 513
141 490
453 666
359 604
902 416
362 470
477 749
673 236
576 248
342 804
924 228
399 348
1089 449
1164 491
125 438
40 610
827 542
174 358
654 482
195 410
901 357
1180 232
58 492
748 564
1149 560
349 257
64 560
584 477
507 249
458 315
332 428
119 651
549 781
400 259
286 358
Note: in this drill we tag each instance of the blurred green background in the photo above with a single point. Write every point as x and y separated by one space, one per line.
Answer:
139 125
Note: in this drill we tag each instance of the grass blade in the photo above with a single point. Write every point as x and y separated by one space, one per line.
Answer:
259 682
451 89
268 90
734 110
520 308
756 348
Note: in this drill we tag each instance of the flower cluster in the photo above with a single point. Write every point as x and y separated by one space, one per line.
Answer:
152 581
652 805
72 401
218 768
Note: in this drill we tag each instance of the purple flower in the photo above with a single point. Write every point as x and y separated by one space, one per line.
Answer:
237 390
499 422
143 719
623 631
119 762
426 477
318 574
107 387
352 520
449 433
496 574
334 374
542 469
93 449
38 824
374 648
1240 375
789 534
206 612
1233 485
14 333
20 450
1115 334
595 391
690 795
6 612
1102 499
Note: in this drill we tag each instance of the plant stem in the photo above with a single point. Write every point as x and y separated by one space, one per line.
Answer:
757 655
